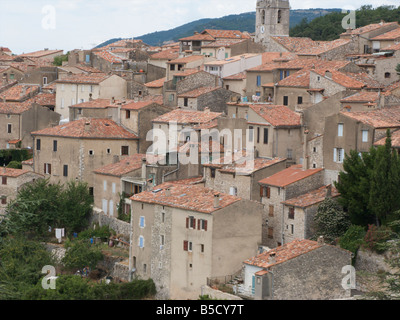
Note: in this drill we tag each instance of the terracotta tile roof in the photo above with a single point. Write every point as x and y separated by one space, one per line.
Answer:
186 59
108 56
277 115
45 99
187 72
391 35
230 34
365 96
311 198
165 55
123 167
395 140
189 181
40 53
243 167
15 107
206 125
187 197
322 47
12 173
237 76
288 176
269 57
28 162
298 64
389 89
94 104
393 47
94 78
88 129
198 92
136 105
283 253
351 80
198 37
295 44
19 92
388 117
156 83
187 116
369 28
6 57
231 59
202 147
268 67
87 69
300 79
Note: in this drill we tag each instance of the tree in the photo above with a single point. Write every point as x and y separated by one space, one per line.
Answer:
398 69
80 254
385 180
354 186
330 220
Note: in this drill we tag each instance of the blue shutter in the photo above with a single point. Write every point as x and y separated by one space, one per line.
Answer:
258 81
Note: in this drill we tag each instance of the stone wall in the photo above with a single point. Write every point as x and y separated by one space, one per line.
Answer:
119 226
216 294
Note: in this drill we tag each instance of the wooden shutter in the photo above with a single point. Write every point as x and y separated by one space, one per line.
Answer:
187 223
268 192
194 223
49 168
261 191
205 225
44 170
185 245
198 224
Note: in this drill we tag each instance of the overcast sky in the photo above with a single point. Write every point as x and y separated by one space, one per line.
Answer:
30 25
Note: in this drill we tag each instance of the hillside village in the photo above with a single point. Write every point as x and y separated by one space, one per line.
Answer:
197 227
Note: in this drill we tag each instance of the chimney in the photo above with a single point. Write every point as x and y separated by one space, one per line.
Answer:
112 100
321 240
168 192
144 174
328 192
115 159
272 258
206 110
328 74
90 97
87 125
216 200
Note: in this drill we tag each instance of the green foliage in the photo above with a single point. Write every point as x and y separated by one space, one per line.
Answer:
398 69
58 61
330 220
329 27
121 215
40 204
103 232
8 155
80 254
21 263
353 238
15 165
376 238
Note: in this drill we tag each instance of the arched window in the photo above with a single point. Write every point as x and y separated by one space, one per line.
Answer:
262 16
279 16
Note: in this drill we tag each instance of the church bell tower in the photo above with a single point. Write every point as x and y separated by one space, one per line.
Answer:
272 19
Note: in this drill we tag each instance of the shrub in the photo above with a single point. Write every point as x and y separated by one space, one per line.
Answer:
80 253
353 238
103 232
375 238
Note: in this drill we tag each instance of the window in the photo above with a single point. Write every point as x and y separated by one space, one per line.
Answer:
4 180
111 208
212 173
62 103
91 152
87 58
185 102
292 228
258 134
271 211
65 171
162 241
3 200
202 225
162 217
265 135
172 67
190 222
202 248
270 233
144 267
73 88
233 190
114 186
289 154
291 213
299 100
340 129
314 149
263 16
258 81
128 114
265 192
105 185
285 100
141 242
338 155
279 16
47 168
9 128
91 191
251 134
44 80
125 150
12 76
387 75
141 222
62 87
79 110
38 144
364 135
108 151
54 145
190 246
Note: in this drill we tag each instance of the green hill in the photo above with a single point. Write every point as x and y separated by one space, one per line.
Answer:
242 22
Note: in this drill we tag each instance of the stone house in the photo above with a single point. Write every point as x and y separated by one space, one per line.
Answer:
155 87
385 40
19 119
274 190
10 74
43 55
80 88
11 181
19 93
161 58
358 131
214 98
97 108
185 63
183 235
298 270
364 36
238 178
236 83
299 212
73 150
227 48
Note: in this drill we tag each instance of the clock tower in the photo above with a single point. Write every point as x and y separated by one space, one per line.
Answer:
272 19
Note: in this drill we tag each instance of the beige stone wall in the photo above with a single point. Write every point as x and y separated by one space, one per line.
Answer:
293 93
251 82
